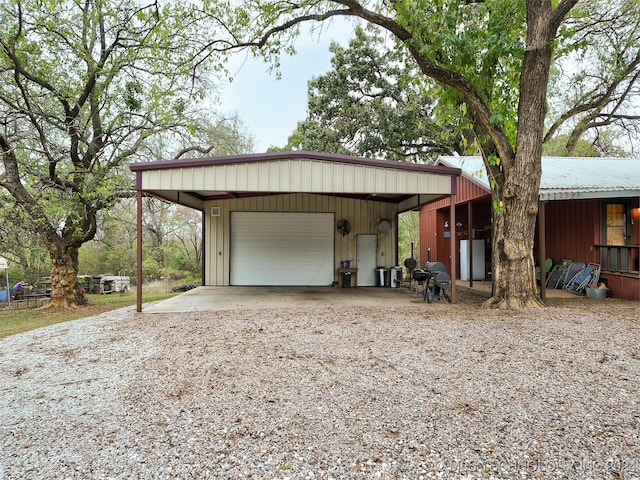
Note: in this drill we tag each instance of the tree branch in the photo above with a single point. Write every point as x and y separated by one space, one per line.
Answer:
599 102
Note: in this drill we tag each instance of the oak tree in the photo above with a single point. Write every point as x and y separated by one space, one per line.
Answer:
492 58
374 103
85 87
595 88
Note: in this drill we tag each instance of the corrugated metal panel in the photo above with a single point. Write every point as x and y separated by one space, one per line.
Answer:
433 206
590 174
572 228
347 176
569 177
469 190
272 248
471 166
296 176
428 235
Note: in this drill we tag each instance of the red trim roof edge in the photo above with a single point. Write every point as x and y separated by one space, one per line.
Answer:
289 155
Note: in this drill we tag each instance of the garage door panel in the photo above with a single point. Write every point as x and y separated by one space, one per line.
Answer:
281 248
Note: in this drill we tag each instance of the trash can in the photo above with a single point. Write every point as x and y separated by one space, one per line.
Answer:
382 277
346 279
396 276
3 295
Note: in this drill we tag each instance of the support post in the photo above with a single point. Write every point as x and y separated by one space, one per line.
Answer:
452 219
139 252
542 254
470 243
204 249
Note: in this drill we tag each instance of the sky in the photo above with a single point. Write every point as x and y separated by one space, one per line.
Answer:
270 108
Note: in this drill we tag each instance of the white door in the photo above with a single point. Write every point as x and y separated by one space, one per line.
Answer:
281 249
366 254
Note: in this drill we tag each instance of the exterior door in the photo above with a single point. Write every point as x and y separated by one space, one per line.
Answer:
281 249
617 233
366 254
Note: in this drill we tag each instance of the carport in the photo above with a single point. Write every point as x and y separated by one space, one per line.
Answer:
293 218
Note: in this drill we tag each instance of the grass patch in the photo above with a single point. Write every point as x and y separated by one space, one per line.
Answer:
14 321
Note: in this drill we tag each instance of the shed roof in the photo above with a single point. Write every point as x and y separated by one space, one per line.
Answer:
568 177
194 180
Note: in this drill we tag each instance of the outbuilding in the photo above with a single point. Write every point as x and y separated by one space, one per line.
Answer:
294 218
589 212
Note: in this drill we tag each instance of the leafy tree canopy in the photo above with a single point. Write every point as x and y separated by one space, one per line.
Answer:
84 86
595 86
492 60
373 103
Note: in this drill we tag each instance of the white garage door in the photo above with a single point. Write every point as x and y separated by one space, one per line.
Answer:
282 248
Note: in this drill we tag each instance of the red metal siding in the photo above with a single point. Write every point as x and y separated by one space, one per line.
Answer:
432 237
434 215
469 190
621 286
466 190
572 228
432 230
428 233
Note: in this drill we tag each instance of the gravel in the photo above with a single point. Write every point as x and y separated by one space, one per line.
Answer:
424 391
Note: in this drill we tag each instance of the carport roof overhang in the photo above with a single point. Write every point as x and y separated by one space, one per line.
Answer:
193 181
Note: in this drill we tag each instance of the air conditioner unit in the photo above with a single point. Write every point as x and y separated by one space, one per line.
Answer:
215 211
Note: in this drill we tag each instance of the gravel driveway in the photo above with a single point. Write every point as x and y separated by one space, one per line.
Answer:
423 391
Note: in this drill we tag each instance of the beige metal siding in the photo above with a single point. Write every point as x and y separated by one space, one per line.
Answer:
295 185
296 176
362 215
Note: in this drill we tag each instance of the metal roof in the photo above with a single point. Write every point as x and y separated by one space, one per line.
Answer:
195 180
290 155
568 177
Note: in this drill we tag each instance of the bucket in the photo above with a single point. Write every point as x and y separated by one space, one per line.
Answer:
596 293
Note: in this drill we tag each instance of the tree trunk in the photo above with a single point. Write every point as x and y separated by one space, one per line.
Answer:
65 290
514 280
518 177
